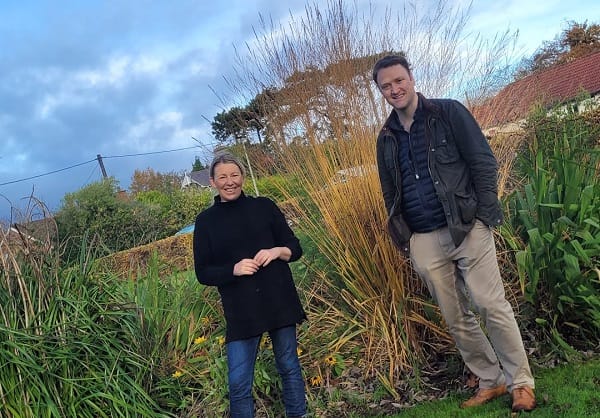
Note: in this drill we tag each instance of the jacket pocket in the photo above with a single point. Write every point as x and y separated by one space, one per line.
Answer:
399 232
467 207
446 152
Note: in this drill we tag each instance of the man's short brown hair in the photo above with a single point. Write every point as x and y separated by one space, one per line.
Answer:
389 61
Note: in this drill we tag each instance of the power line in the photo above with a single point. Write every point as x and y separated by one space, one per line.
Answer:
92 160
94 171
149 153
48 173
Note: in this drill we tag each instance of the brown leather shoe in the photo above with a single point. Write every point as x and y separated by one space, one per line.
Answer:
523 399
484 396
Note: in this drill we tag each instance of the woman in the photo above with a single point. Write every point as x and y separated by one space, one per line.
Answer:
243 246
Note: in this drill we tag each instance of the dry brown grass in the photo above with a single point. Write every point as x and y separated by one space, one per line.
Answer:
506 147
174 254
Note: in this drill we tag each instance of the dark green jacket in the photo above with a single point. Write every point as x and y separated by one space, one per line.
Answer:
461 163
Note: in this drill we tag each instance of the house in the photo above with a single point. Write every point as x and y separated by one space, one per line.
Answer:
559 84
198 178
40 230
342 176
39 235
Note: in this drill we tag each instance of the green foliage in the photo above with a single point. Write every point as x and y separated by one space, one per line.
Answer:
77 360
178 208
152 346
156 199
230 125
271 186
186 204
97 216
239 124
97 213
197 166
181 332
178 328
557 216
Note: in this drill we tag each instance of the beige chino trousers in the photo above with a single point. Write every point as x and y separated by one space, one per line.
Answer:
459 278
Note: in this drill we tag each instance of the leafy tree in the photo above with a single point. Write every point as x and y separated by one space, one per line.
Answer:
176 209
579 39
320 95
241 123
197 166
148 179
186 204
230 126
96 214
285 108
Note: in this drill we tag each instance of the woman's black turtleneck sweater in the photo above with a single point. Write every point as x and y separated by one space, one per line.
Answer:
228 232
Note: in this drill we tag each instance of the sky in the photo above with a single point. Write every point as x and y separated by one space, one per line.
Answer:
137 82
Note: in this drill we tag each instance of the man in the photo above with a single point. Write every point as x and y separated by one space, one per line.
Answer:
439 180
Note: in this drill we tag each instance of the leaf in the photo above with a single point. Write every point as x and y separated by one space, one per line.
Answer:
581 253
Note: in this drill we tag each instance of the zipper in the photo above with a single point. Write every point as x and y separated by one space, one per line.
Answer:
411 156
428 139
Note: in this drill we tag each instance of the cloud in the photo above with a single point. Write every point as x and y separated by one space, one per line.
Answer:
119 78
111 79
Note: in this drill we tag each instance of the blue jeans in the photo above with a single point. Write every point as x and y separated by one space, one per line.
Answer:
241 356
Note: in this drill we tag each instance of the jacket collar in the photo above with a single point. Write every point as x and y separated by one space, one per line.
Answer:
393 122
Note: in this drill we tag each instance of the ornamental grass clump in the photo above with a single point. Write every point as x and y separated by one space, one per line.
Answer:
66 338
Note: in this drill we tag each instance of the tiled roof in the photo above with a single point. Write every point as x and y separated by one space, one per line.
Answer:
200 178
40 229
555 85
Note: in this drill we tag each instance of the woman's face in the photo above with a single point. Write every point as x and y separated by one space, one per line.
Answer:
228 181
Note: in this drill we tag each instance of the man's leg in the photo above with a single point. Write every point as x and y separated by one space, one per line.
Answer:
479 267
241 356
288 366
432 258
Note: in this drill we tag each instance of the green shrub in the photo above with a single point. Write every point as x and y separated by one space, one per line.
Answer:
177 208
556 216
97 214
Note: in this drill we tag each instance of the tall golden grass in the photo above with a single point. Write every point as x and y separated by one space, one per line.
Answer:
325 120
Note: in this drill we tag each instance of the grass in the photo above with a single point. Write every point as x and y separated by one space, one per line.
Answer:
568 391
151 347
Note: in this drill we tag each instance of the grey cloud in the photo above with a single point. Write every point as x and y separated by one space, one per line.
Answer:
42 55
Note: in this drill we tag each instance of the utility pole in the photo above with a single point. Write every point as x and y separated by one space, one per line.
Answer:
250 168
99 158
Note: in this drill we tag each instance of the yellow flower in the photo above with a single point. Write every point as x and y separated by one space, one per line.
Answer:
205 320
200 340
330 360
299 351
221 339
265 342
177 374
316 380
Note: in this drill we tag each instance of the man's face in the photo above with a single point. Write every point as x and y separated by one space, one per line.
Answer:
397 86
228 181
